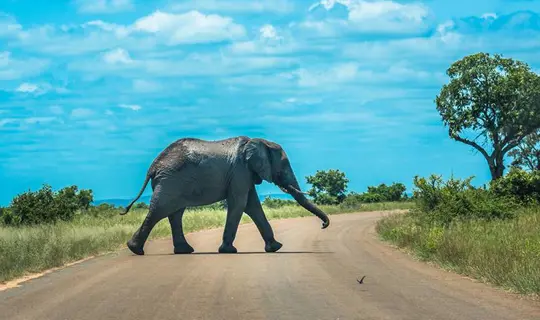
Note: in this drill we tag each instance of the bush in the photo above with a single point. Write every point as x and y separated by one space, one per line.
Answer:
382 192
45 206
443 202
140 205
277 203
520 185
375 194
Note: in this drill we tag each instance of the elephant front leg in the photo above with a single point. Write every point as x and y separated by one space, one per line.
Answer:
235 209
255 211
179 240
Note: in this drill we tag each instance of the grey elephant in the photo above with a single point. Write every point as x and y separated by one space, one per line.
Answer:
194 172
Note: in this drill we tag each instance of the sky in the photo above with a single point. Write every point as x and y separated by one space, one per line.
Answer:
92 90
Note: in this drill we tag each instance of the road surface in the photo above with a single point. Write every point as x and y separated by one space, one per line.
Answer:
314 276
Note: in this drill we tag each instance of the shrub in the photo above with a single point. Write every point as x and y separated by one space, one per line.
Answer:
393 192
140 205
520 185
352 201
45 206
456 199
277 203
381 193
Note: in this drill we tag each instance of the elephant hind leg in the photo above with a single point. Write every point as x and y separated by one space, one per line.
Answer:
179 240
163 204
235 208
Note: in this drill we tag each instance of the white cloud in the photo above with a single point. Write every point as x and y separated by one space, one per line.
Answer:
117 56
119 30
489 15
270 41
143 34
388 16
237 6
190 27
351 72
133 107
81 113
269 32
376 17
39 88
13 69
194 64
103 6
329 4
8 25
340 73
27 88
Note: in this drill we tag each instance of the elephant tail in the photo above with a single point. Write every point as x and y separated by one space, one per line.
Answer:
148 177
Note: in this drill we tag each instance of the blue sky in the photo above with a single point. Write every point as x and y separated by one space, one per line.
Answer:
92 90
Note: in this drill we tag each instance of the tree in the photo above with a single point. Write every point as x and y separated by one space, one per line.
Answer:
527 154
328 187
496 99
85 198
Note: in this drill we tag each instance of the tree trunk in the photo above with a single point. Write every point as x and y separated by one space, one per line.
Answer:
496 167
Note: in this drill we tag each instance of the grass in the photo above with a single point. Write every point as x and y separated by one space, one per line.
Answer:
504 253
34 249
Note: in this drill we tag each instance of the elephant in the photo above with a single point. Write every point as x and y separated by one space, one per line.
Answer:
194 172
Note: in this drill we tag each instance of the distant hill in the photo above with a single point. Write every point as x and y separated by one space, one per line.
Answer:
146 199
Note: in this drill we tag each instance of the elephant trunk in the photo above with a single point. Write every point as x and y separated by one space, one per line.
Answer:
308 205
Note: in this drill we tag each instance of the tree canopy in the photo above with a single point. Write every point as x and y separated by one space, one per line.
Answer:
492 98
328 187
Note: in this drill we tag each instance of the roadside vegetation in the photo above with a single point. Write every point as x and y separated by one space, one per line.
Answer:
491 233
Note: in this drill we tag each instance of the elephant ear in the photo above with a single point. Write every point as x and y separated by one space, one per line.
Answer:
258 159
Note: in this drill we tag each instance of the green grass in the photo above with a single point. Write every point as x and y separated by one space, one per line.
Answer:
505 253
35 249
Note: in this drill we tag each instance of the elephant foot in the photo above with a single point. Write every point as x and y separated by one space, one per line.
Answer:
183 248
272 246
134 248
227 249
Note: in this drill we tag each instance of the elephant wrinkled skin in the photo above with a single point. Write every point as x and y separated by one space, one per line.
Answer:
194 172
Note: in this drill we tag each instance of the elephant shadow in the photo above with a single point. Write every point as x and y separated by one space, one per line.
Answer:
245 252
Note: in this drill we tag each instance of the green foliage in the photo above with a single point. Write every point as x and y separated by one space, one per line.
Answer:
46 206
382 192
376 194
140 205
527 154
277 203
495 99
523 187
85 198
443 202
328 187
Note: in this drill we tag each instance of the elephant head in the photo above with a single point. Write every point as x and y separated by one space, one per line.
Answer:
269 162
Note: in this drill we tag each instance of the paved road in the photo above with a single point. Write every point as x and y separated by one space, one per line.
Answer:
313 277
